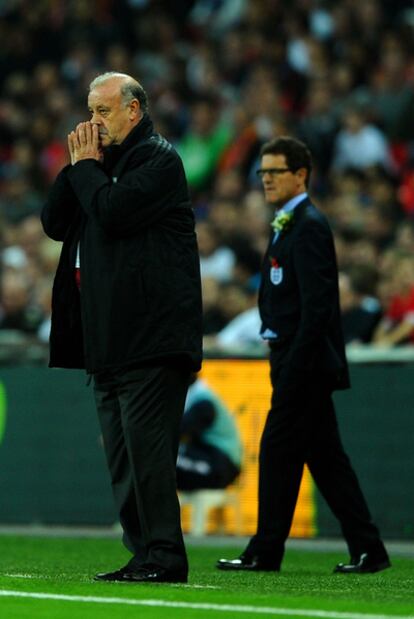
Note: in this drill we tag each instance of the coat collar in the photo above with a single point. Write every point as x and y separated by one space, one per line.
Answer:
300 208
138 134
292 203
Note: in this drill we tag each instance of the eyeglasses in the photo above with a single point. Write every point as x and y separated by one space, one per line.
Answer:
272 171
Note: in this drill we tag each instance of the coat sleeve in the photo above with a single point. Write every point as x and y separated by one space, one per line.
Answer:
61 207
317 276
139 199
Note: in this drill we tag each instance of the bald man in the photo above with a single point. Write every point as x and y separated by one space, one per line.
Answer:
127 308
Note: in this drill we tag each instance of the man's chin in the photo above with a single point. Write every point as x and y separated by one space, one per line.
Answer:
104 141
272 198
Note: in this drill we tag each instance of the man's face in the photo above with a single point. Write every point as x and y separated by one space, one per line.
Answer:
114 119
280 184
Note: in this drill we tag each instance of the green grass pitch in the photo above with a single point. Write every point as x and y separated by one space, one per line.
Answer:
51 578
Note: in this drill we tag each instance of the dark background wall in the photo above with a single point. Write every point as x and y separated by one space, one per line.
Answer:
52 467
376 418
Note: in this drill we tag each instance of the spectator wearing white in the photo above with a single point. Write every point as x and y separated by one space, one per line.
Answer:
360 145
215 261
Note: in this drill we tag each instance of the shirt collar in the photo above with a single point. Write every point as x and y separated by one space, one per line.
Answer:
292 204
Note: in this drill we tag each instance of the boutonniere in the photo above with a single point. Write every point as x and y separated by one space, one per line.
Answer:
283 221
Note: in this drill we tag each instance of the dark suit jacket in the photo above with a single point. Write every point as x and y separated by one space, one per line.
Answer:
299 298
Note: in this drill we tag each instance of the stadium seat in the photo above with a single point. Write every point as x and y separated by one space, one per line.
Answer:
202 501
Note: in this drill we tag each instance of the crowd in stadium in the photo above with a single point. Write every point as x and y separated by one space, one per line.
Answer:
223 78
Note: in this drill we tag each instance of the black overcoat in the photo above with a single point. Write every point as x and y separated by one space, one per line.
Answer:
299 298
140 295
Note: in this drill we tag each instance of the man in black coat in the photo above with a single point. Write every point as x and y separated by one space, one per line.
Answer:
299 308
127 307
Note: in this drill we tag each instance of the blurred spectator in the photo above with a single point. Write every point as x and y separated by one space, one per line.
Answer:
319 125
218 16
362 252
360 309
225 215
215 261
378 225
248 260
43 299
242 331
229 185
404 237
30 236
243 150
360 144
223 78
210 450
17 311
255 219
203 143
18 199
389 94
234 298
397 325
213 318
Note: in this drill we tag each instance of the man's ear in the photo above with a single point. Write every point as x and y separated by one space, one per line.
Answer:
302 173
134 109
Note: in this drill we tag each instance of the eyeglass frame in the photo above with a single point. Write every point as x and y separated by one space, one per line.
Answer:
273 171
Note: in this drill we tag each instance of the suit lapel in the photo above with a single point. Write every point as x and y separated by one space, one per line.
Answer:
298 212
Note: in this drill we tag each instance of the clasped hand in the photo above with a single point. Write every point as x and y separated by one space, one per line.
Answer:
84 143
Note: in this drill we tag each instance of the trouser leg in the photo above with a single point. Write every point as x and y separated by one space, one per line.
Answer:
301 428
140 412
281 461
110 419
151 405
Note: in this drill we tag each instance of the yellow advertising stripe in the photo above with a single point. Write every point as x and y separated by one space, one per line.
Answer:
244 386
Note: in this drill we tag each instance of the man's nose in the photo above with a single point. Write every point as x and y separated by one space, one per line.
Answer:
95 119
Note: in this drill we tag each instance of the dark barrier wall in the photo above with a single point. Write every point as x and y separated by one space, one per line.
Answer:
376 418
52 467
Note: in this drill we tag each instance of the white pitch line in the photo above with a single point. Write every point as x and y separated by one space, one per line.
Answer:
230 608
19 575
41 577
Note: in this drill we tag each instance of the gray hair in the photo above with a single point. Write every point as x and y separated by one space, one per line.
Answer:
130 89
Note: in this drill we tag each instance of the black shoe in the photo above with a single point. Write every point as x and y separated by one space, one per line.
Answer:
142 574
116 576
154 574
247 563
364 564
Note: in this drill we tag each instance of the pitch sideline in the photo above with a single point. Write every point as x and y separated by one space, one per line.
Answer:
258 610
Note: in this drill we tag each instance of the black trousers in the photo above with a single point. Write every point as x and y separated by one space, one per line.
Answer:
301 427
140 413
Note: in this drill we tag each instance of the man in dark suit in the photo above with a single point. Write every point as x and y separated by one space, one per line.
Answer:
127 307
299 308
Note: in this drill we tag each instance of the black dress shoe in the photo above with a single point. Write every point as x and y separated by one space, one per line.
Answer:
116 576
142 574
365 563
154 574
247 563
